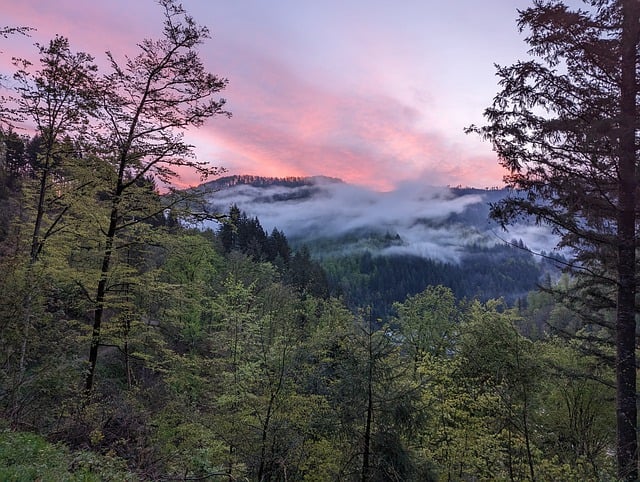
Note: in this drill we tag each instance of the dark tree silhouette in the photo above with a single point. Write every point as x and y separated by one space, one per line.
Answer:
565 127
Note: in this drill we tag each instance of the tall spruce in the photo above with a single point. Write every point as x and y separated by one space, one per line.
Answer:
565 127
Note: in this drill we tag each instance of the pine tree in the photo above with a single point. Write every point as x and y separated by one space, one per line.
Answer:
565 126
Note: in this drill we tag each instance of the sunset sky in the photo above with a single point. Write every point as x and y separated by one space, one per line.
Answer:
376 92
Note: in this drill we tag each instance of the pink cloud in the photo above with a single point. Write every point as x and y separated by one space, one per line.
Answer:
285 125
285 122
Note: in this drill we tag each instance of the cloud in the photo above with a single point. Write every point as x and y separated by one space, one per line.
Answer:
285 125
324 106
432 222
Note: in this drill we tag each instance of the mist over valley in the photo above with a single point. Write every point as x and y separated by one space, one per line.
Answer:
379 247
334 217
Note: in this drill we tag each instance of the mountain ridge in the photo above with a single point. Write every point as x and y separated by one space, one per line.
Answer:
295 181
266 181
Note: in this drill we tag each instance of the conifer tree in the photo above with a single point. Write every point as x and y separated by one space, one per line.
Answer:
565 127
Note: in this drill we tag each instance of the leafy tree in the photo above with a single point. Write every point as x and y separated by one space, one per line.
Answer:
184 301
147 104
486 404
460 437
58 99
377 401
427 323
578 421
565 126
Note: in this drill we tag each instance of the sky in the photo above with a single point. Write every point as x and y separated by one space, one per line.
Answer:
374 92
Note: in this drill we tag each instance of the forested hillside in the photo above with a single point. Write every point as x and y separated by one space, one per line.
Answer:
378 281
135 345
223 355
371 266
226 358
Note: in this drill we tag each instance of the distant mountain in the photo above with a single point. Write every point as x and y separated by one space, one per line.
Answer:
261 181
291 188
379 247
427 221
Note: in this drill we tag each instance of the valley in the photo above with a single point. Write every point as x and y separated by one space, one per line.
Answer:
377 248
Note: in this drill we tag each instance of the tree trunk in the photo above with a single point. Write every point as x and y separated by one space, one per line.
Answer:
367 429
101 292
36 244
626 411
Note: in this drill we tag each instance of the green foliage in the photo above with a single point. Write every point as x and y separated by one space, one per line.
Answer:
579 420
182 291
190 447
461 437
428 322
565 126
503 407
26 457
367 280
223 355
495 355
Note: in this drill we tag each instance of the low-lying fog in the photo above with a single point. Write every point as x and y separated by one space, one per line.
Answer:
432 222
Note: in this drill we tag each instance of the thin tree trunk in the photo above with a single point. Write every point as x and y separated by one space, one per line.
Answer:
101 292
265 433
527 437
264 474
367 428
37 226
626 411
36 247
510 454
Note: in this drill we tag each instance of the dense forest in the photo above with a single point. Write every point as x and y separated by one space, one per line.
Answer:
136 346
224 357
484 273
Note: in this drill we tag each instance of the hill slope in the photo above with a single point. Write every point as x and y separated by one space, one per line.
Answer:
380 247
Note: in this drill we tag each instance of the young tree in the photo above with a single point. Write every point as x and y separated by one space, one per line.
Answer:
565 126
377 400
578 421
494 352
427 323
147 104
58 99
55 97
